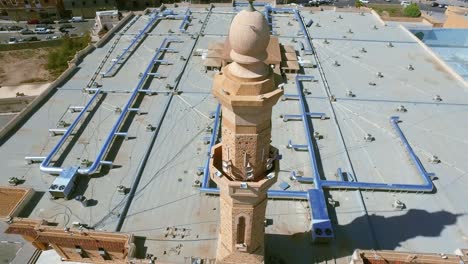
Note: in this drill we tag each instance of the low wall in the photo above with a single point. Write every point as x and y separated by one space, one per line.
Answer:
402 19
31 45
14 199
424 18
111 32
378 17
353 9
36 102
434 22
81 54
441 62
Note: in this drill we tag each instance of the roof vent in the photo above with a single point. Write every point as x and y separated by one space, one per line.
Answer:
434 159
317 135
369 138
397 204
149 128
401 108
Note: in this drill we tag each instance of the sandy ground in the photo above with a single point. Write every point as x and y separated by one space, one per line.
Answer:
31 89
24 71
24 66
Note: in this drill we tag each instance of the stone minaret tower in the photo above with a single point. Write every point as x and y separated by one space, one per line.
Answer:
244 164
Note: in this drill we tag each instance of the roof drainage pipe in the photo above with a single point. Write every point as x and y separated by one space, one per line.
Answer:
272 194
307 129
428 186
44 167
214 136
125 111
185 21
142 165
135 40
304 31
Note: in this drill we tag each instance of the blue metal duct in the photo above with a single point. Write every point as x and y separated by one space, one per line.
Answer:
135 40
44 167
125 110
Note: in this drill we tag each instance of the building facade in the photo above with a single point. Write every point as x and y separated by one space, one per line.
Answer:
30 9
73 244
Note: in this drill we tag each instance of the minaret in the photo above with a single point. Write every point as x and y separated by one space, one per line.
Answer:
244 164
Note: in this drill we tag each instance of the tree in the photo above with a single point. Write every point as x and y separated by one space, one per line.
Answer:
412 10
358 3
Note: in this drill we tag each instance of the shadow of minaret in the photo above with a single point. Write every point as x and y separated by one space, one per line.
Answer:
390 232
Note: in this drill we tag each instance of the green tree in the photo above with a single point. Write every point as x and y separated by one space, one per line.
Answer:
412 10
358 3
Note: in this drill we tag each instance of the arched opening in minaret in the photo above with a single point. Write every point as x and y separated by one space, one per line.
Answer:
241 231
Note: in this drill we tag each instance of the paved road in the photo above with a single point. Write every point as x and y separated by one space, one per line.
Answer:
79 28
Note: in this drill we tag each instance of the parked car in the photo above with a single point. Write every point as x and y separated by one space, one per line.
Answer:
61 21
32 39
405 3
14 28
3 29
435 4
77 19
443 6
364 1
26 32
43 31
33 21
12 40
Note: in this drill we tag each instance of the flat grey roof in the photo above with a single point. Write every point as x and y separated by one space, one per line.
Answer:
165 197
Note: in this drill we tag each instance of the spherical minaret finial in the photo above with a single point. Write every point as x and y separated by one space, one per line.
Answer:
249 36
